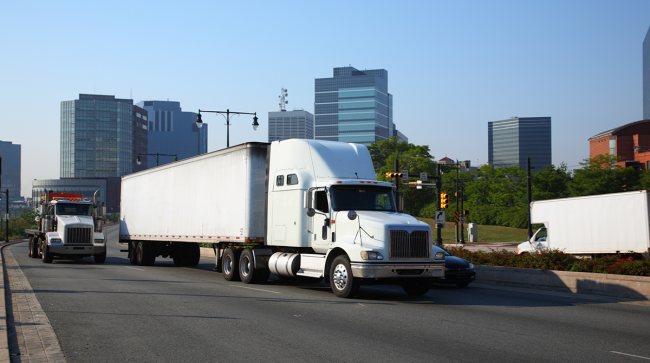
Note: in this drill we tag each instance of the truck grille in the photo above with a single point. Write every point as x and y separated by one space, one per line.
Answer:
77 236
404 245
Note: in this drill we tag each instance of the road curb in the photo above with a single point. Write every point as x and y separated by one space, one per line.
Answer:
635 287
4 338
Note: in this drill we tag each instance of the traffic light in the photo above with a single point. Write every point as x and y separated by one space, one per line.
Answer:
393 175
444 200
465 212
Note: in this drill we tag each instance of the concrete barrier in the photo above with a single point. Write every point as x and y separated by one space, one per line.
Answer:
636 287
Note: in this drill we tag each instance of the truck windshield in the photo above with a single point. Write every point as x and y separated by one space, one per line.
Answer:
362 198
73 209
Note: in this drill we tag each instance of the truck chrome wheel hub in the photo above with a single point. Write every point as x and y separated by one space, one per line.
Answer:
227 265
245 266
340 276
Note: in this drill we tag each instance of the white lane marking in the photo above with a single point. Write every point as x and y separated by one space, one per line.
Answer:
631 355
133 268
252 288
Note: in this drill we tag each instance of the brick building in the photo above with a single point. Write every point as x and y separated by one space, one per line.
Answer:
630 142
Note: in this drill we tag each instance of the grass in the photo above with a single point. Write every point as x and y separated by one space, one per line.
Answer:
486 234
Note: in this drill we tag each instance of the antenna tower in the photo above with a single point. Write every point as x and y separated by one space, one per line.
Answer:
283 99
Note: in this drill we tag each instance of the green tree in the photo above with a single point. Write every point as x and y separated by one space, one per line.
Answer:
551 183
601 175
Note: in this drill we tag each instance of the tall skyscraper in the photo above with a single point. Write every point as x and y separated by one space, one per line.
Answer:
353 106
513 140
11 158
99 135
173 131
646 76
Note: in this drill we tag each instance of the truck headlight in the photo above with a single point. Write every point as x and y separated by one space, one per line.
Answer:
371 255
101 241
440 256
55 240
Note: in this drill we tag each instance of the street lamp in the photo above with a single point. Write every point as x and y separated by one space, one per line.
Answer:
227 113
156 155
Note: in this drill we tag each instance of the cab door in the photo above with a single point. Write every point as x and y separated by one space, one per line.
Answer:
320 226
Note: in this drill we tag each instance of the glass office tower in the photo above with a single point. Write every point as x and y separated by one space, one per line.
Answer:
173 131
353 106
513 140
11 163
646 76
98 136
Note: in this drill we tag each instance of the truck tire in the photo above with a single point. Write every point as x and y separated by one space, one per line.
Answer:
177 254
132 256
100 257
45 253
418 287
191 254
35 253
341 280
247 271
230 263
144 254
29 248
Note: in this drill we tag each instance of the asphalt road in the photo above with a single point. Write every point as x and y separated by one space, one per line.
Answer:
120 312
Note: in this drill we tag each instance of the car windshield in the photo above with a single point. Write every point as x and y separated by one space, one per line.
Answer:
361 197
73 209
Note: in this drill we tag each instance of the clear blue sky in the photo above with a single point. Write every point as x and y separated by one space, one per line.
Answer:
452 65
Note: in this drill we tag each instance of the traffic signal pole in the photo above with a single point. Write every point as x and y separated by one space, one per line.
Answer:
438 187
462 225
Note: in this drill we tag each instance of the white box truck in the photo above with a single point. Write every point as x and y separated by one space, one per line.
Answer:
592 225
294 208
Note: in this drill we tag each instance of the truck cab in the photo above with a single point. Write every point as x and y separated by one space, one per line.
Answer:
68 225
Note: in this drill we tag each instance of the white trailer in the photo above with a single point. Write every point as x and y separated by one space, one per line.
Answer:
597 224
295 208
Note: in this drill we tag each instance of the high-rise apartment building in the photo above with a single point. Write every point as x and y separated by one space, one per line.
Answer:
100 136
646 76
353 106
298 124
513 140
172 131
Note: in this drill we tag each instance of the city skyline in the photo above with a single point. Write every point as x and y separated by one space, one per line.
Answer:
452 67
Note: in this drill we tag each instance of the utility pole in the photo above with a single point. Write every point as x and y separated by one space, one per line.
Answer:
528 187
7 219
438 187
456 226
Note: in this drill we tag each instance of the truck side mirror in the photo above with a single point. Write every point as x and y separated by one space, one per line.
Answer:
37 219
311 212
352 215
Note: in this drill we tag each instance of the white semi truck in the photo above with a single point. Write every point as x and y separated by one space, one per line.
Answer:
68 226
294 208
592 225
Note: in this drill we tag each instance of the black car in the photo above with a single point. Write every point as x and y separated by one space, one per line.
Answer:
458 270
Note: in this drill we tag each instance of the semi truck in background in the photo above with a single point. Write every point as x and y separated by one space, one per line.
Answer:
294 208
592 225
69 226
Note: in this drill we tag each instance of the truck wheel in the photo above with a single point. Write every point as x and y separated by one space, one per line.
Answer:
341 280
132 255
417 287
144 254
231 264
35 248
29 248
247 271
45 254
191 254
177 254
100 257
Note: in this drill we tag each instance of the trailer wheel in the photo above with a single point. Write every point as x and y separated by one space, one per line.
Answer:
100 257
191 254
231 264
144 254
341 280
45 253
132 255
417 287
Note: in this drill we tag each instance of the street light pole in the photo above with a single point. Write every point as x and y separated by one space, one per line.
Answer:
7 219
227 113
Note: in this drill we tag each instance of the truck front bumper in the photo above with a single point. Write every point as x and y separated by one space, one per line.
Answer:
396 270
77 250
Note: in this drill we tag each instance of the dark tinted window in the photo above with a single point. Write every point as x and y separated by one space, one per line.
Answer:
321 202
292 179
362 198
279 181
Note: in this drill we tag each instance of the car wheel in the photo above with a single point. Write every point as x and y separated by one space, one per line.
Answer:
341 280
417 287
230 263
